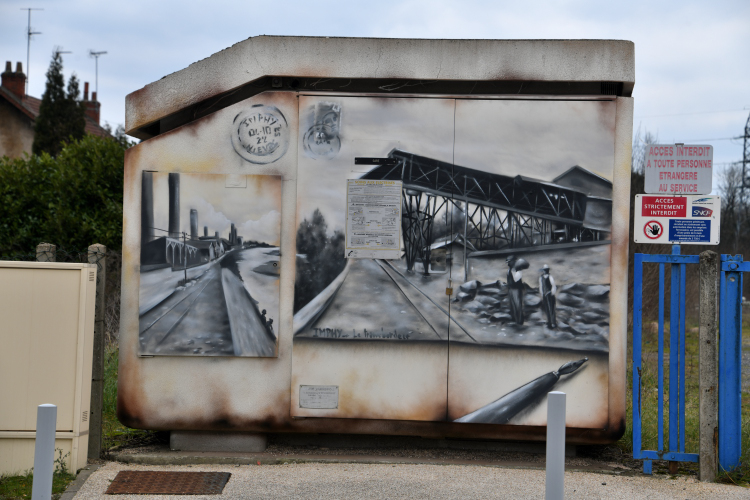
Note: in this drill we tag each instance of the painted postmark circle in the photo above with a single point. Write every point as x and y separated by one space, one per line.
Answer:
653 229
260 134
321 142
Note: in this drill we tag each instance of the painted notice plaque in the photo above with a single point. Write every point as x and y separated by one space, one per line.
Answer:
690 220
373 219
319 397
678 168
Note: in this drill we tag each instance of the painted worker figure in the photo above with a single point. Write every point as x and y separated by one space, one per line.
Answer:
547 289
515 289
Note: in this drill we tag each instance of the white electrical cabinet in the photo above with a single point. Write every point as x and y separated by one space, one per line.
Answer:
47 338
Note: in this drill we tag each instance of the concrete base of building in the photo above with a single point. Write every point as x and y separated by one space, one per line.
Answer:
373 442
234 442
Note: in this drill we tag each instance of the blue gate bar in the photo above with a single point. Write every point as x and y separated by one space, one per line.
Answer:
670 258
730 361
660 446
669 455
674 349
682 350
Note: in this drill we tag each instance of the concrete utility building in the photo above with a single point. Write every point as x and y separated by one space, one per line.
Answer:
18 113
480 163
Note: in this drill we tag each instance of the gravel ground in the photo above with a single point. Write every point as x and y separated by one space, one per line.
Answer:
331 481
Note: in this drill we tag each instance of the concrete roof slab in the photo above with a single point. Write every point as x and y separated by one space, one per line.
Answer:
381 58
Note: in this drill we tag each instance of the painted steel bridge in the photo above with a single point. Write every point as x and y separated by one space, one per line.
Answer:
498 212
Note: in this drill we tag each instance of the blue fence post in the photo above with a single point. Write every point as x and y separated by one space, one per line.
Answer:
730 363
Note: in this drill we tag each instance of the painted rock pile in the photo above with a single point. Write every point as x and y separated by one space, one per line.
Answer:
582 309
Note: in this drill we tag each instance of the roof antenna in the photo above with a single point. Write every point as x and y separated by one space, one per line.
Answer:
29 33
96 55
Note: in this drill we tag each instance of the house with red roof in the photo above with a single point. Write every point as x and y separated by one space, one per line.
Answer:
18 113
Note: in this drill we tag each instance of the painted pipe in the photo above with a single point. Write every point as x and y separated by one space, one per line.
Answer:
44 452
554 485
502 410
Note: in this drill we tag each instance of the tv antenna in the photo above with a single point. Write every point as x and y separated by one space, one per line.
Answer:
96 55
59 50
29 33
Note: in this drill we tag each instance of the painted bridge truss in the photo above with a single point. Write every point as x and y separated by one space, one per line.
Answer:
499 212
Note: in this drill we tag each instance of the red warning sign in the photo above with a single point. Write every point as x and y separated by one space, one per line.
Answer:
667 206
653 229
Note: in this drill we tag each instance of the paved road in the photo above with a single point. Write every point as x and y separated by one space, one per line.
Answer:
193 319
216 313
415 481
369 299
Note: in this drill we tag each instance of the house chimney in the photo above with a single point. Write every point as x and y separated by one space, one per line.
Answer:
15 82
92 106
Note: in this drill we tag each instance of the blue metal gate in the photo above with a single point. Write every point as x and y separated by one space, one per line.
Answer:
730 359
676 449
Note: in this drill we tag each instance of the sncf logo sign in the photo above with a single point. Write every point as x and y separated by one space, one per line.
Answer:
702 212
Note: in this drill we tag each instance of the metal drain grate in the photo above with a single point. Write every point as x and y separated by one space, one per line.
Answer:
168 483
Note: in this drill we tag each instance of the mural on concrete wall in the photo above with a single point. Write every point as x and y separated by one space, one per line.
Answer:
507 202
209 266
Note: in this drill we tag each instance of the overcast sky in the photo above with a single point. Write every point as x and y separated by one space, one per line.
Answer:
692 61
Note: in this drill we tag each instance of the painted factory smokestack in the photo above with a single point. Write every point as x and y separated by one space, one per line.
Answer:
174 205
193 224
147 207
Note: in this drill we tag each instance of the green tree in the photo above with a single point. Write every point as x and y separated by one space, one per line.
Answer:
61 115
323 258
120 136
72 200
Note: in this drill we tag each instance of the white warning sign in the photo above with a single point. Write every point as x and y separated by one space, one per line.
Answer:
690 220
678 168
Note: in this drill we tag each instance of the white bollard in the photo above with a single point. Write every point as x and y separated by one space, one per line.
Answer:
554 483
44 452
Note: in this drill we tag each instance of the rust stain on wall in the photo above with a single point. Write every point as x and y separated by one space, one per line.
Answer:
143 403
